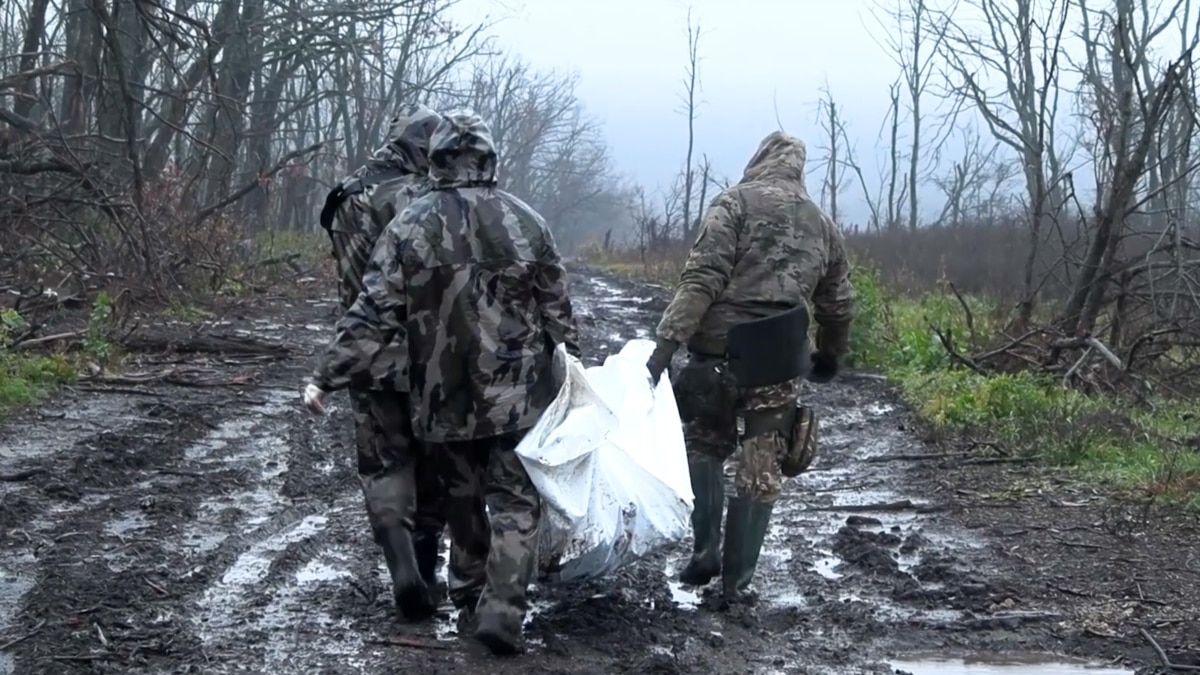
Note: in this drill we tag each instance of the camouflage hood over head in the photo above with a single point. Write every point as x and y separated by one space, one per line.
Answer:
407 146
780 157
462 153
763 247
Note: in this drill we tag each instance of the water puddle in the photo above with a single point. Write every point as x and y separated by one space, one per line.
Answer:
255 445
13 587
1010 664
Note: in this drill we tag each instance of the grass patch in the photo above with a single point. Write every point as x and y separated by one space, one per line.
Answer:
1143 452
26 379
1140 452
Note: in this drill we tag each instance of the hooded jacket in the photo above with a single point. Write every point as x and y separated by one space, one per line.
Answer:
360 208
763 247
469 276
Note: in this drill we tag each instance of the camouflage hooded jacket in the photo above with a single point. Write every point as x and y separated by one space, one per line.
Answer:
358 210
470 277
763 247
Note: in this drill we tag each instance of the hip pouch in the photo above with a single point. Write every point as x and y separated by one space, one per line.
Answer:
801 448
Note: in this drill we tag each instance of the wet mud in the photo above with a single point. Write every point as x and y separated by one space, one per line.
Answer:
219 529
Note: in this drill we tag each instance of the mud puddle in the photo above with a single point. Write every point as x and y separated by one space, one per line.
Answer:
1008 664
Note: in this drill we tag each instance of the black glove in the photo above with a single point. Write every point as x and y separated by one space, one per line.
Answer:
573 350
332 201
833 341
661 358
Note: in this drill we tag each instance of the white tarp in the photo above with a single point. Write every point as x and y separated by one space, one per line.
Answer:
609 461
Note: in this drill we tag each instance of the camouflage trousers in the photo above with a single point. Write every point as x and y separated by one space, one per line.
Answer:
491 560
710 403
400 483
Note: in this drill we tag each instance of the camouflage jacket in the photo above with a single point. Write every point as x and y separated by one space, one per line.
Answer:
469 276
763 247
360 208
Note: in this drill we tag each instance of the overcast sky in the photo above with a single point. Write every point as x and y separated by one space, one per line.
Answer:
763 64
758 56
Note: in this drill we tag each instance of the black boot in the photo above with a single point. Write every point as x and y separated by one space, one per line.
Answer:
708 485
500 633
412 595
427 545
745 530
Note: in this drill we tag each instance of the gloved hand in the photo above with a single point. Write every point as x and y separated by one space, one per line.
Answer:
833 341
661 358
314 398
332 200
573 349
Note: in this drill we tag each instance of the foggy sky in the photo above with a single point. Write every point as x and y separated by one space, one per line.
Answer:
763 64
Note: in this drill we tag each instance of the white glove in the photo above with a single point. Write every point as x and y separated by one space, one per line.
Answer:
313 398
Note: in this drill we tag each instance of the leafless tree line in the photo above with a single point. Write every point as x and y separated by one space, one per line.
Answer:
148 143
1074 195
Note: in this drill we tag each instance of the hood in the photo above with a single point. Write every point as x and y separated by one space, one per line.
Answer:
780 157
461 152
407 146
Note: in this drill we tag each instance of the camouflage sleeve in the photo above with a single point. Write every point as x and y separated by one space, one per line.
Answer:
833 298
550 293
707 270
371 323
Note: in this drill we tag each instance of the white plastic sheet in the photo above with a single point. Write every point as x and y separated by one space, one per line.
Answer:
609 461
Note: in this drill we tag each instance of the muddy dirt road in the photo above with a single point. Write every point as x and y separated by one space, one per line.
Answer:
164 528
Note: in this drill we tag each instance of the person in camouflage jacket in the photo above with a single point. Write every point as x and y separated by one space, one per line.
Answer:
764 247
469 278
392 464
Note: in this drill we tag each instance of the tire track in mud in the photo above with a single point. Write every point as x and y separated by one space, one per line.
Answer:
202 531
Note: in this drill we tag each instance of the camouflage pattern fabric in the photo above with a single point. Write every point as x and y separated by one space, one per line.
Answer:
763 246
361 218
468 277
491 562
393 468
710 403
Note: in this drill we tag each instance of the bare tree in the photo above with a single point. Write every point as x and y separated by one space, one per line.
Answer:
1133 104
1023 47
691 85
834 130
910 48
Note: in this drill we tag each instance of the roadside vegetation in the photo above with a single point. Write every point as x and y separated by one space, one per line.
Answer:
990 395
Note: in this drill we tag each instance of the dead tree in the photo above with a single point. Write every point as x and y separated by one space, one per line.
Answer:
913 39
1023 46
691 84
1132 105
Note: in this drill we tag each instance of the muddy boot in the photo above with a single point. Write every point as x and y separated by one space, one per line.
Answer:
412 596
745 530
425 546
708 484
500 633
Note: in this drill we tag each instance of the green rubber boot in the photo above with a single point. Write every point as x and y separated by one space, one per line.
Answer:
745 529
708 485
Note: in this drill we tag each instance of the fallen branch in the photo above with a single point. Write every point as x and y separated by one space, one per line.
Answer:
1162 654
955 355
406 642
16 641
921 457
902 505
48 339
20 475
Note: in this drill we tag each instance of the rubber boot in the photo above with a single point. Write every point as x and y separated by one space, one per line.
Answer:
426 545
708 485
745 530
500 633
412 596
